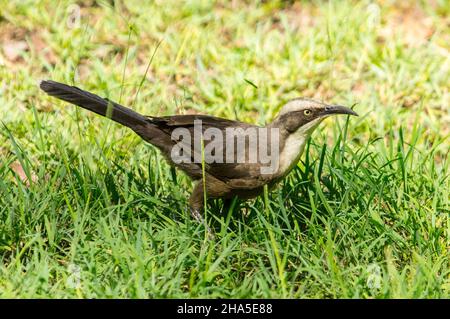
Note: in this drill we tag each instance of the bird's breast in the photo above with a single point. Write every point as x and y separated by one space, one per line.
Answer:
291 153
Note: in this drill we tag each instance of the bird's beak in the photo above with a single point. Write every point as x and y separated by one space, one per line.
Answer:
338 109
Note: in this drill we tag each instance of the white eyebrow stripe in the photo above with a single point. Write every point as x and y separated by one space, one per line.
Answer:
300 104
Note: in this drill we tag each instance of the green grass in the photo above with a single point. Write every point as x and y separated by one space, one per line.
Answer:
369 202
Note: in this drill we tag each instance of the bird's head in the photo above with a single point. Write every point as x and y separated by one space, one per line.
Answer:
304 115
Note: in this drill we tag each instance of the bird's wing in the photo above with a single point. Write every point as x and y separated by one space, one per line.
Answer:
187 121
237 175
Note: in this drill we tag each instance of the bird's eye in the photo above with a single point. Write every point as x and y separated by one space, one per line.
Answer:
307 112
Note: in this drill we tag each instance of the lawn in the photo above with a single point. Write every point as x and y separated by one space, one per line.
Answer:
88 210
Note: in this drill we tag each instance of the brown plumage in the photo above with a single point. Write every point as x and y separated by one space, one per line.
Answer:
295 123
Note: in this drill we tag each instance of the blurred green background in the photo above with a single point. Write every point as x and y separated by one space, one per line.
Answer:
88 210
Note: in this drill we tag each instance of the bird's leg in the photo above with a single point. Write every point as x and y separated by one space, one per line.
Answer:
196 202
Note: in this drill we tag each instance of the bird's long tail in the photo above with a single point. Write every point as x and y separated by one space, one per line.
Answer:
94 103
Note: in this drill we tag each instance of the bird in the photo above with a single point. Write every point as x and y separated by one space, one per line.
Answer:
239 175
